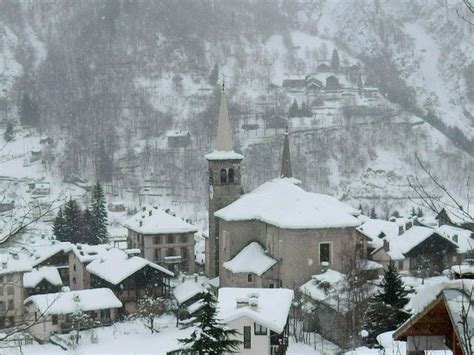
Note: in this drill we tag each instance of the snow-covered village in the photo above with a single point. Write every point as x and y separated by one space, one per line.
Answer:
257 177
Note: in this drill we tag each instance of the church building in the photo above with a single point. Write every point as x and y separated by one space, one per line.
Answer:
278 235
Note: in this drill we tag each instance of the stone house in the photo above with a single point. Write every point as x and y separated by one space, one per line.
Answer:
129 277
12 268
163 239
80 256
260 315
52 312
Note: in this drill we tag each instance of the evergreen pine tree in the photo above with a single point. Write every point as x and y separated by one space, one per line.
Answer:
385 311
335 60
393 291
211 336
413 212
73 222
88 235
9 134
361 209
59 227
99 214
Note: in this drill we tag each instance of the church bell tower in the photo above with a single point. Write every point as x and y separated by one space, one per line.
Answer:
224 183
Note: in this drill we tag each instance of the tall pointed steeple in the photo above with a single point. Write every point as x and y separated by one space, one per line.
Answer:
285 159
224 130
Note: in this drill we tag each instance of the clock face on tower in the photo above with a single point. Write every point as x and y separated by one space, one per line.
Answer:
211 192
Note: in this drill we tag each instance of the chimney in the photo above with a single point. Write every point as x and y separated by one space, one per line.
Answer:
400 230
253 302
141 223
144 208
242 302
150 212
386 245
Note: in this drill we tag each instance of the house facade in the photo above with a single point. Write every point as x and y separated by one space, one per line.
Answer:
53 312
163 239
12 292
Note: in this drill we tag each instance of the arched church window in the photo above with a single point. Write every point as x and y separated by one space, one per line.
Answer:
231 176
223 176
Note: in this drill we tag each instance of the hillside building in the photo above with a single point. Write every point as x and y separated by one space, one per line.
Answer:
163 239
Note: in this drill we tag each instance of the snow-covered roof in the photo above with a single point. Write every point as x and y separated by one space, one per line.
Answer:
457 294
49 273
116 266
156 221
326 288
367 265
401 244
462 237
283 204
251 258
377 228
187 290
458 216
224 155
43 253
12 263
462 269
177 133
86 253
271 309
73 301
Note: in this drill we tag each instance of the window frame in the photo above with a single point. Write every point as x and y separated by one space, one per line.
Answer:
258 329
329 244
247 335
250 278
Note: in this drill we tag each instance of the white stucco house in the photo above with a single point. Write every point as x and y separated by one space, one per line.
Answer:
260 315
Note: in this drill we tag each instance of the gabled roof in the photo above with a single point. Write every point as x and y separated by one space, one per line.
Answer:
404 243
373 228
13 263
116 266
44 253
187 290
453 294
156 221
86 253
49 273
251 259
284 204
272 305
72 301
462 237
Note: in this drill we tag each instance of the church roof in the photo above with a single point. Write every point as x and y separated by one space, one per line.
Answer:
283 204
252 259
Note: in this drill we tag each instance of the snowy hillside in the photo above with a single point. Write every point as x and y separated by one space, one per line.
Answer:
111 92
